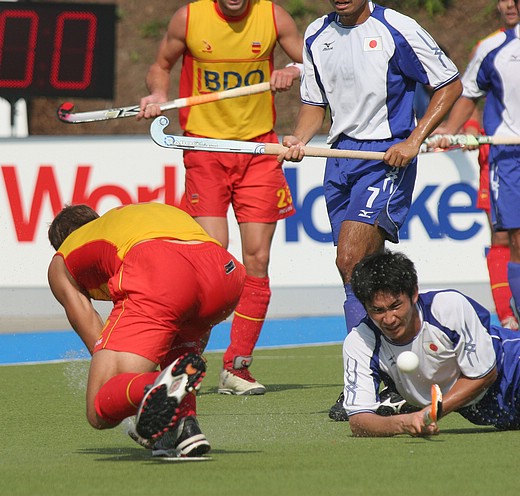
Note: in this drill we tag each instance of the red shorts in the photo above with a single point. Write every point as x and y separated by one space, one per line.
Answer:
254 184
483 200
166 294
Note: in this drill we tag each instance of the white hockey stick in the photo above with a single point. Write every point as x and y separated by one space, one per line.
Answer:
470 140
251 147
66 114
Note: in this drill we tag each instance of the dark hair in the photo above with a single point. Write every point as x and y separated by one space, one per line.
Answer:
68 220
387 272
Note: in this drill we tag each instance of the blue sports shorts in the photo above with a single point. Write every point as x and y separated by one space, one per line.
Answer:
504 181
368 191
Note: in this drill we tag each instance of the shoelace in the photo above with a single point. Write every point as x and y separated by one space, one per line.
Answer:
243 374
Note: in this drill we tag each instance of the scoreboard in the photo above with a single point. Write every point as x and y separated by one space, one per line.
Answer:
57 49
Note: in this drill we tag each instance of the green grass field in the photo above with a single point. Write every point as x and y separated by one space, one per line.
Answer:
281 443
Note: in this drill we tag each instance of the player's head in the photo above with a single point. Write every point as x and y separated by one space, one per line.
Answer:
508 11
386 272
68 220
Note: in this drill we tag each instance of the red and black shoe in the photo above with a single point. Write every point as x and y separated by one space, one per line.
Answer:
158 411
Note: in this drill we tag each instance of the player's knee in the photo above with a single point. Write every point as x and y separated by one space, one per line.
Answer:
96 421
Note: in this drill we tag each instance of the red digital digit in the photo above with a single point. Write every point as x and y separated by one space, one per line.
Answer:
18 35
74 39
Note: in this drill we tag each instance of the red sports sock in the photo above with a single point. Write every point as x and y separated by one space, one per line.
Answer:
497 259
188 405
249 318
121 395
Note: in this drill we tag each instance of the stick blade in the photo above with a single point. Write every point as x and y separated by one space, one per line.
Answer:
436 402
435 412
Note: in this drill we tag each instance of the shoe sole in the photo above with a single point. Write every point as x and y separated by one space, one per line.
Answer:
193 447
160 406
249 392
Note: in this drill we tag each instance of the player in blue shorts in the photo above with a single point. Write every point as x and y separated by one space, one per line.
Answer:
476 364
494 72
363 62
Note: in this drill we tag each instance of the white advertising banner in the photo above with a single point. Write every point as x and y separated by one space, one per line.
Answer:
445 234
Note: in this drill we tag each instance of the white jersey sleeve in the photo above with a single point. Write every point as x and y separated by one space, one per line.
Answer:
471 340
360 388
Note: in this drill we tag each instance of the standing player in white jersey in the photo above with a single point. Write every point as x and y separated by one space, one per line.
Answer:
476 364
494 72
363 61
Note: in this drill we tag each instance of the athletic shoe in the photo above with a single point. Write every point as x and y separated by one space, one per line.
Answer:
184 440
510 323
239 382
337 412
159 408
145 443
392 403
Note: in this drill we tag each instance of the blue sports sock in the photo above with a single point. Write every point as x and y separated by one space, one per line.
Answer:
513 276
354 310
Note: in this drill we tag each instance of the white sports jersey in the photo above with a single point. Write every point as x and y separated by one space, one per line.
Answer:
494 71
367 73
453 340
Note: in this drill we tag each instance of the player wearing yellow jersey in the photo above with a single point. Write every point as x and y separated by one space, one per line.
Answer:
226 44
170 282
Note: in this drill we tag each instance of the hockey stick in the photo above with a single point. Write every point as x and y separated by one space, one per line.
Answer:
435 412
470 140
66 114
251 147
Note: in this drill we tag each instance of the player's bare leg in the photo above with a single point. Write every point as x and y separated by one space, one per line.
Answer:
135 373
250 312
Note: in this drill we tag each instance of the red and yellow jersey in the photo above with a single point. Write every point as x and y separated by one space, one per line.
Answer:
94 252
224 53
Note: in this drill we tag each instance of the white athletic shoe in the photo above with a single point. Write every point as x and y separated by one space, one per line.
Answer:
158 411
184 440
239 382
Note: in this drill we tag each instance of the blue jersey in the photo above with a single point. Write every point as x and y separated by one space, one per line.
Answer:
367 73
456 338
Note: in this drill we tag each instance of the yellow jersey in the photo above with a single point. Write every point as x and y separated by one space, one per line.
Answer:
224 53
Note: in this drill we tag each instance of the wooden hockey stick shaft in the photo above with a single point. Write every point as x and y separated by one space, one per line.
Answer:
313 151
66 114
216 96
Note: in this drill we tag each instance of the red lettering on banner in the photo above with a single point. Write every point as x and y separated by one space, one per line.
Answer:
168 191
47 186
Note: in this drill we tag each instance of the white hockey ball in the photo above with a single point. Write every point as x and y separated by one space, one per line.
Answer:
407 362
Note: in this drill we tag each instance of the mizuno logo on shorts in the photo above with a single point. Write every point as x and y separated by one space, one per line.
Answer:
230 267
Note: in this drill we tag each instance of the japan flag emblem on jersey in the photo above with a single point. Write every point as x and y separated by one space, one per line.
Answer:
374 44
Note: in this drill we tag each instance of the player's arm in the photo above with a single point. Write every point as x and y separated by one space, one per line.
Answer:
170 50
440 104
466 390
373 425
79 310
291 42
460 113
309 122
